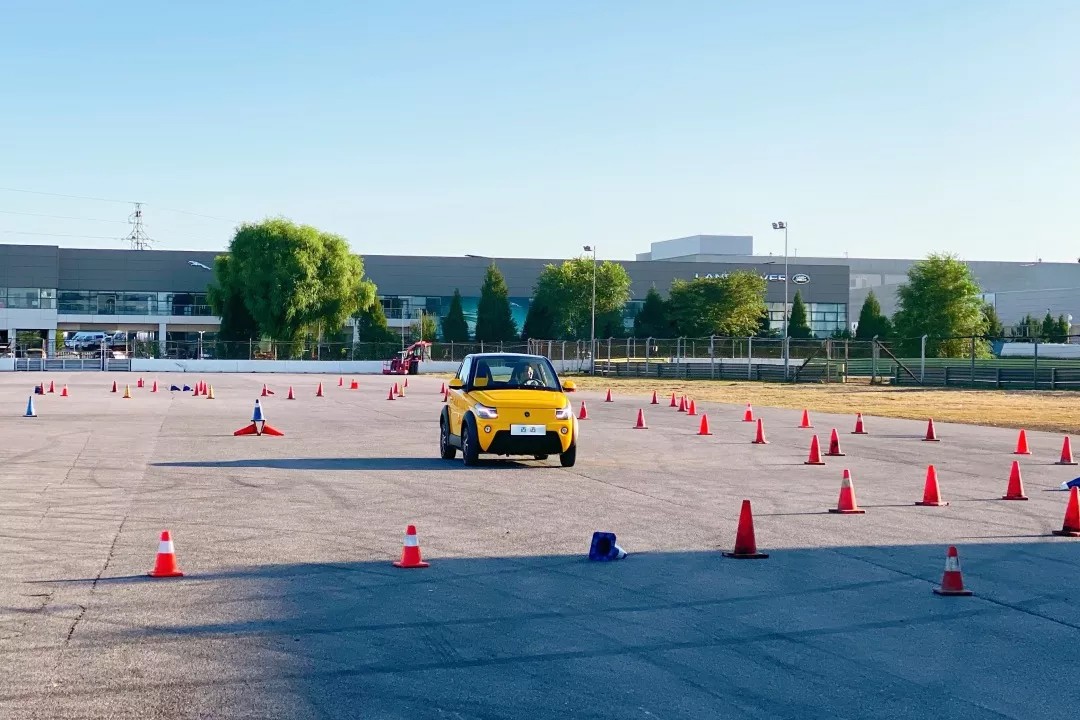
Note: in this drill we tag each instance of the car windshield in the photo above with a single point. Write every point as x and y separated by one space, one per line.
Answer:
513 372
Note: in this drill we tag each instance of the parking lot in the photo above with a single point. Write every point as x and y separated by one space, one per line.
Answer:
290 607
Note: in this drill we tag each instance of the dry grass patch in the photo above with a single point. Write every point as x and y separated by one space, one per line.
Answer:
1041 410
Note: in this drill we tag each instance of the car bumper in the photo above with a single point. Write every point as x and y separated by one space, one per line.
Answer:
501 442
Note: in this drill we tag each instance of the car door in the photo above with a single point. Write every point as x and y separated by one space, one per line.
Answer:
458 402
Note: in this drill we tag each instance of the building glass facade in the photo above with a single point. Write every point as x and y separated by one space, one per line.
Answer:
113 302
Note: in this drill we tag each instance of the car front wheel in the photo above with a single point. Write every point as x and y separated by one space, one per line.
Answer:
470 444
446 450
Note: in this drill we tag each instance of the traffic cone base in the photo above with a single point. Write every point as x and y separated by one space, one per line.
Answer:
952 581
252 429
165 563
745 542
268 429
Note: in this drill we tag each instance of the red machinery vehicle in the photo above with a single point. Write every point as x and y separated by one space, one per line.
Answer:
407 361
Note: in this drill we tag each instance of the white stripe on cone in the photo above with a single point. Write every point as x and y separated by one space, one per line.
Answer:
165 547
952 564
410 541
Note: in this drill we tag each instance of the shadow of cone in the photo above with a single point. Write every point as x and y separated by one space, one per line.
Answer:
931 433
846 505
759 438
860 429
1022 444
952 582
1071 526
834 445
703 429
410 551
584 413
640 424
805 422
1015 490
1066 453
815 453
165 564
931 493
745 543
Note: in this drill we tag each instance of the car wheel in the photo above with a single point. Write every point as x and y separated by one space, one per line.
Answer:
470 444
446 450
540 457
568 458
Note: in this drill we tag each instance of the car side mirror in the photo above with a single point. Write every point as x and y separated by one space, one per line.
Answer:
455 384
569 386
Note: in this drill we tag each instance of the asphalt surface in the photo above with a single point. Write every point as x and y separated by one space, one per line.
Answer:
290 607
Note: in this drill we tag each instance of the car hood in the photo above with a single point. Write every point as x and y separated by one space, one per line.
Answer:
528 399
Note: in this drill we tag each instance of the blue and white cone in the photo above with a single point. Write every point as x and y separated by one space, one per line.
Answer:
604 549
30 408
257 414
1068 484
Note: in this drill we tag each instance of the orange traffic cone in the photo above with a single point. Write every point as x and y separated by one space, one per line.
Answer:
127 392
846 505
290 396
318 391
673 403
354 384
815 453
442 389
410 551
682 404
584 413
654 400
759 439
745 543
391 395
397 390
139 383
265 393
114 386
1021 444
401 391
1066 453
952 582
154 388
165 564
703 429
340 381
834 445
608 398
692 408
860 429
931 493
748 416
931 434
1015 490
1071 526
640 424
805 420
209 392
446 395
63 391
52 386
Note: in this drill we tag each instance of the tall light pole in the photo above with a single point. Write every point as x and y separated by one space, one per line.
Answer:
782 225
592 333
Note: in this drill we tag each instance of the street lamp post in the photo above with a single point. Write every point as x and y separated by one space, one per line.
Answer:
592 332
782 225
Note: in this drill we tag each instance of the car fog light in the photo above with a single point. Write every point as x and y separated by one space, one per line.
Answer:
564 430
487 428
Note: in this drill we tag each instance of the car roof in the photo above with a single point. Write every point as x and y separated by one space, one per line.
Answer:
523 356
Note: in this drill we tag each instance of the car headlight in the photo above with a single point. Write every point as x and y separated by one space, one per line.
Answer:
564 413
485 412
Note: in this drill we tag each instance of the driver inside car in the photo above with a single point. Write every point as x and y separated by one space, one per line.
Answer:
525 375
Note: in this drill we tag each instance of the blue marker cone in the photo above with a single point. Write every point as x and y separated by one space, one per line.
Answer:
257 414
604 549
30 408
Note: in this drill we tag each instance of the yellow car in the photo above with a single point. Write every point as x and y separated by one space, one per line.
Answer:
508 404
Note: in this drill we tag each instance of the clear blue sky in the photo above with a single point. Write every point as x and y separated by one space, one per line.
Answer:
880 129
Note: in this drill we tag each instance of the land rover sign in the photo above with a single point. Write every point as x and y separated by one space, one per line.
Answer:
797 278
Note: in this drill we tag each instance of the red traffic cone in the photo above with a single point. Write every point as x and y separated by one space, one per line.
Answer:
114 386
654 400
1071 526
406 382
195 392
391 395
815 453
1015 490
673 403
446 395
1021 444
703 429
153 389
340 381
608 398
748 416
931 493
834 445
805 420
290 396
640 424
442 390
745 543
691 408
52 386
860 429
683 407
759 439
846 505
139 383
318 391
265 393
410 551
584 413
1066 453
63 391
952 582
397 390
354 384
931 434
165 564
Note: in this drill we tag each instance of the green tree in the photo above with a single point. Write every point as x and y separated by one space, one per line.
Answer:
371 324
994 328
1048 328
871 322
942 301
425 328
798 327
494 322
288 281
566 291
454 326
1029 329
765 329
1064 329
653 320
729 305
539 322
226 298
